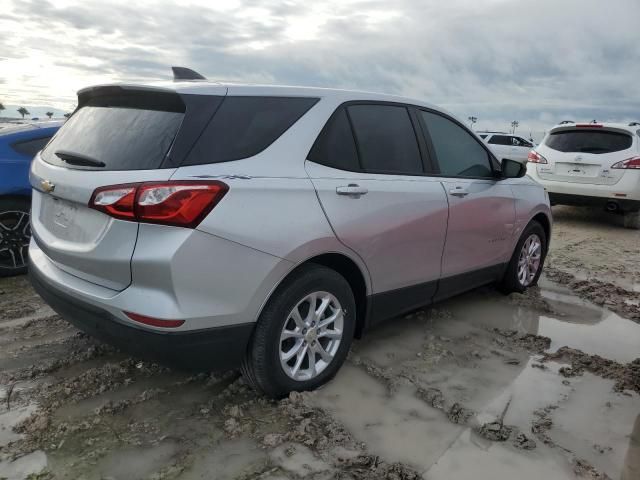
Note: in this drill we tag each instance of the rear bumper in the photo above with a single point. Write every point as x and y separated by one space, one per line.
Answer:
216 348
624 205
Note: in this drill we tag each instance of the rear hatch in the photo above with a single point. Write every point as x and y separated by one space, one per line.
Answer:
585 154
118 135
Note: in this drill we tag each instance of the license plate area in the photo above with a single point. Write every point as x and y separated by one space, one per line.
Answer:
70 222
577 170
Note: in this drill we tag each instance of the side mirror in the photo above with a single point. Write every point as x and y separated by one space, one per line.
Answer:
513 168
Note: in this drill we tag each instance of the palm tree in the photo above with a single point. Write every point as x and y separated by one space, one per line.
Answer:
66 115
472 120
514 125
49 114
1 106
23 111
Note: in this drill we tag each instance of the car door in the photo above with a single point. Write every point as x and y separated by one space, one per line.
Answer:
367 169
481 207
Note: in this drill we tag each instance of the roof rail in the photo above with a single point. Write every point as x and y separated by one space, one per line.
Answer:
184 73
564 122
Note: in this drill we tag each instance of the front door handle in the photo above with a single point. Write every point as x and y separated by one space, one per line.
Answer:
352 190
458 192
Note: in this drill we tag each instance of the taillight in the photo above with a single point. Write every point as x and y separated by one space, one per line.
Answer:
535 157
178 203
631 163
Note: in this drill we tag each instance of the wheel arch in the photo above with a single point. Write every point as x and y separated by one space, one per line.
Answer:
354 274
544 220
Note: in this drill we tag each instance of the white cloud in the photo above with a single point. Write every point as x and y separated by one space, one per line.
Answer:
499 60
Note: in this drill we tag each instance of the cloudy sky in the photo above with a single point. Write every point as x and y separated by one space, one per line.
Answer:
535 61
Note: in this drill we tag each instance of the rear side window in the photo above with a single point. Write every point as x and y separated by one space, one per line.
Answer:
483 136
126 133
386 139
588 141
500 140
459 153
335 146
244 126
30 147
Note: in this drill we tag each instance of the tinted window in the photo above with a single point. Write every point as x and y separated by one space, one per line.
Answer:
123 138
335 146
30 147
458 152
588 141
386 139
501 140
521 142
483 136
244 126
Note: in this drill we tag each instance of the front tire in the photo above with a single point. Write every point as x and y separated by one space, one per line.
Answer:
526 263
303 334
15 235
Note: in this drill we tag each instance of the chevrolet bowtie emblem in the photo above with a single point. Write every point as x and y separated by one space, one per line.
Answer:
47 186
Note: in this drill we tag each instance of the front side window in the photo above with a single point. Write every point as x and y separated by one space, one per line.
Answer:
30 147
459 154
386 139
335 146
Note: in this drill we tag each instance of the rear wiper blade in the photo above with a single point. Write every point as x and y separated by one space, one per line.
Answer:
78 159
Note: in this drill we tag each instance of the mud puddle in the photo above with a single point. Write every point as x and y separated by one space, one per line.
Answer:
542 385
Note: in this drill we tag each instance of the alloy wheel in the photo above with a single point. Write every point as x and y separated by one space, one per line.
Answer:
15 234
311 336
529 260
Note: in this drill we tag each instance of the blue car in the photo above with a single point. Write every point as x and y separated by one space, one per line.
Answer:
18 145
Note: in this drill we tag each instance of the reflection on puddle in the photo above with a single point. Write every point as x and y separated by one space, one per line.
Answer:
23 467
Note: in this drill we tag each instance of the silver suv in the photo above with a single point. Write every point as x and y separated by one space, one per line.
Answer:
220 226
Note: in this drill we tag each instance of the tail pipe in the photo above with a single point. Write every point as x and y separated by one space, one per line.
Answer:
612 206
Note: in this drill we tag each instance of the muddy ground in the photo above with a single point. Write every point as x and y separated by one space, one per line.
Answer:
542 385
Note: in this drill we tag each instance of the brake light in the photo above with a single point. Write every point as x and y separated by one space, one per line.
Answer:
177 203
535 157
631 163
154 322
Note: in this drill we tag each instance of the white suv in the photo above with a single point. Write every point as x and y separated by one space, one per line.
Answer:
591 164
506 145
200 222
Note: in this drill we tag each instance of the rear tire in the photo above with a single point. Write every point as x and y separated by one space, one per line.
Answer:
15 235
318 343
632 220
520 274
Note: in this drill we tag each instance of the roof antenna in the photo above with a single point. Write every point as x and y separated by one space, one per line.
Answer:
184 73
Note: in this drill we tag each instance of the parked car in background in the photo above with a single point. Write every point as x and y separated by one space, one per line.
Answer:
506 145
268 226
18 145
591 164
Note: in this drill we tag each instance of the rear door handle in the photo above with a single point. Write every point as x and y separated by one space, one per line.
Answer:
458 192
352 190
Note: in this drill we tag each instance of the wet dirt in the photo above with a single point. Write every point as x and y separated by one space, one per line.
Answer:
540 385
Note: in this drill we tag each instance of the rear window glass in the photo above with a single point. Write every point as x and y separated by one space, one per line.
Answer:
244 126
117 134
30 147
588 141
335 146
386 139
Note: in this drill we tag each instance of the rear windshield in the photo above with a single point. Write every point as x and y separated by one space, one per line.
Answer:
118 134
589 141
244 126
